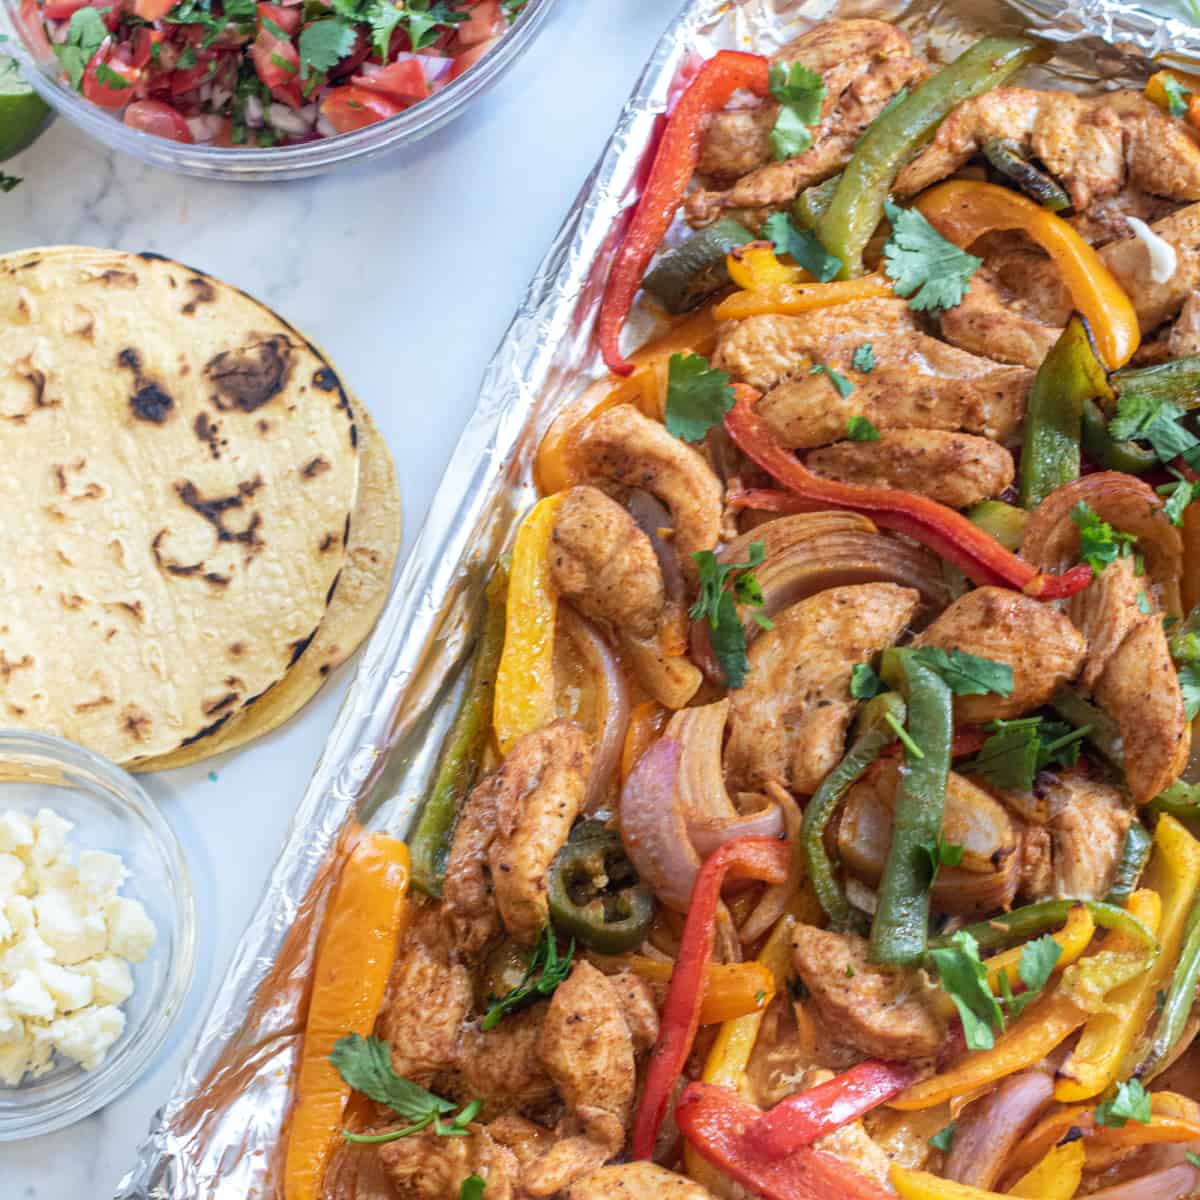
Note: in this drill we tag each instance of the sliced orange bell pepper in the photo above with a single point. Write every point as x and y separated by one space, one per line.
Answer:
963 210
792 299
354 958
920 1185
1056 1177
646 723
756 267
524 699
731 990
1042 1026
1093 1063
1072 939
1174 874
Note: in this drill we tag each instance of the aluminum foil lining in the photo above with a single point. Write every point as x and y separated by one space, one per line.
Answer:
222 1132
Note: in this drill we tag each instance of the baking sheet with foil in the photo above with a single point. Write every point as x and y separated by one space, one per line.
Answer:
222 1133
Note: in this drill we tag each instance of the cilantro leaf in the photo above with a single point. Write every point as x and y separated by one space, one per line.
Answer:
1147 416
803 246
1131 1103
513 8
922 265
1099 543
1179 495
85 31
839 381
940 853
1017 750
1193 1158
550 970
944 1138
967 674
964 979
722 587
1189 686
1037 963
110 78
8 182
426 20
864 358
1177 96
864 683
323 44
472 1188
860 429
697 397
383 17
799 92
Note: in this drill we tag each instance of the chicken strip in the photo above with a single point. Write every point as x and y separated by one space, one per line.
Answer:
1105 612
918 381
994 322
1088 825
623 445
1040 644
636 1181
512 826
882 1011
424 1166
1092 145
1184 338
502 1066
789 720
427 1001
955 469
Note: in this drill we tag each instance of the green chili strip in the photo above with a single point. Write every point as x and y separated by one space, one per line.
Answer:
429 843
1131 865
873 734
1005 155
1179 799
1069 375
1103 732
1035 919
900 928
895 137
1177 381
1005 522
1178 1005
1100 446
812 204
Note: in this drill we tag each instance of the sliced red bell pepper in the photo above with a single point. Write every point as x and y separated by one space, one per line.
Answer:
807 1116
674 164
947 533
715 1120
760 858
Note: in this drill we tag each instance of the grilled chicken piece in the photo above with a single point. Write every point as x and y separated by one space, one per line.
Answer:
1104 612
428 998
994 322
789 720
1092 145
1036 880
918 381
1107 220
502 1066
878 1010
427 1167
636 1181
1040 644
1140 690
513 824
851 1143
575 1155
955 469
604 564
863 64
1129 261
629 448
1088 825
1184 338
637 1007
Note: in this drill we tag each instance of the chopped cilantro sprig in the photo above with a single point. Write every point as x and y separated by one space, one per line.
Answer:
698 397
723 586
923 265
800 93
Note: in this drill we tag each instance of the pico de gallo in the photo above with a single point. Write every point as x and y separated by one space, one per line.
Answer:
239 73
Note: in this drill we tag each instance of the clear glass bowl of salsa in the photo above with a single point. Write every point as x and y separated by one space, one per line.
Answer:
232 89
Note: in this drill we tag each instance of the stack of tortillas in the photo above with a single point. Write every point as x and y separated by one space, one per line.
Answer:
197 524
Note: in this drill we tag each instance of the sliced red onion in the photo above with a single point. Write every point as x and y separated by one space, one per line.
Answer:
204 128
993 1126
433 66
651 517
287 120
653 829
1174 1183
708 836
614 690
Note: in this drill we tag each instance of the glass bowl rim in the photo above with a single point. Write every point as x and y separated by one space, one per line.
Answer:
121 1069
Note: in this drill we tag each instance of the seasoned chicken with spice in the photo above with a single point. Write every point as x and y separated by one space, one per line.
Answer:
636 1181
1088 823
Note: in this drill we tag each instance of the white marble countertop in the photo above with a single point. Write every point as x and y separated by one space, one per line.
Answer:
407 271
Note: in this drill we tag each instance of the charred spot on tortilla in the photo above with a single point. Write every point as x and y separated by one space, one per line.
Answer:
153 256
151 403
8 665
314 467
212 707
299 646
216 579
215 510
72 602
90 705
328 542
207 731
237 650
135 722
203 292
112 277
325 379
34 379
250 377
209 432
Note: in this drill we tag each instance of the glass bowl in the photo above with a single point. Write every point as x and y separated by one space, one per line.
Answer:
112 812
44 73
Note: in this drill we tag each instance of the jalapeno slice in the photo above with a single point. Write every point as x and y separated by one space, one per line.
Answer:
596 895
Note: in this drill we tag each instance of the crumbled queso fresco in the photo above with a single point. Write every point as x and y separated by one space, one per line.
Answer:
67 938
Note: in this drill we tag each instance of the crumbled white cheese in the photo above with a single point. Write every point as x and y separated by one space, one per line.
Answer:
67 938
1161 254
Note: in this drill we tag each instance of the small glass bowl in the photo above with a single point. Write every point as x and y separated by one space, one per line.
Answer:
110 811
44 73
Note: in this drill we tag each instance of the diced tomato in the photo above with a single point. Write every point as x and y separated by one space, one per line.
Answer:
186 78
142 43
61 10
288 19
159 119
403 82
465 61
350 108
224 136
278 66
353 60
152 10
485 21
100 91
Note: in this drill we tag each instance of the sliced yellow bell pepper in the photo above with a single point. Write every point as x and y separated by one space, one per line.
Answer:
963 210
791 299
524 698
1072 939
1056 1177
920 1185
1041 1027
756 267
1174 874
1093 1063
731 990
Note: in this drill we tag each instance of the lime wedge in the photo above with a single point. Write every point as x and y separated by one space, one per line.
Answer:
23 112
